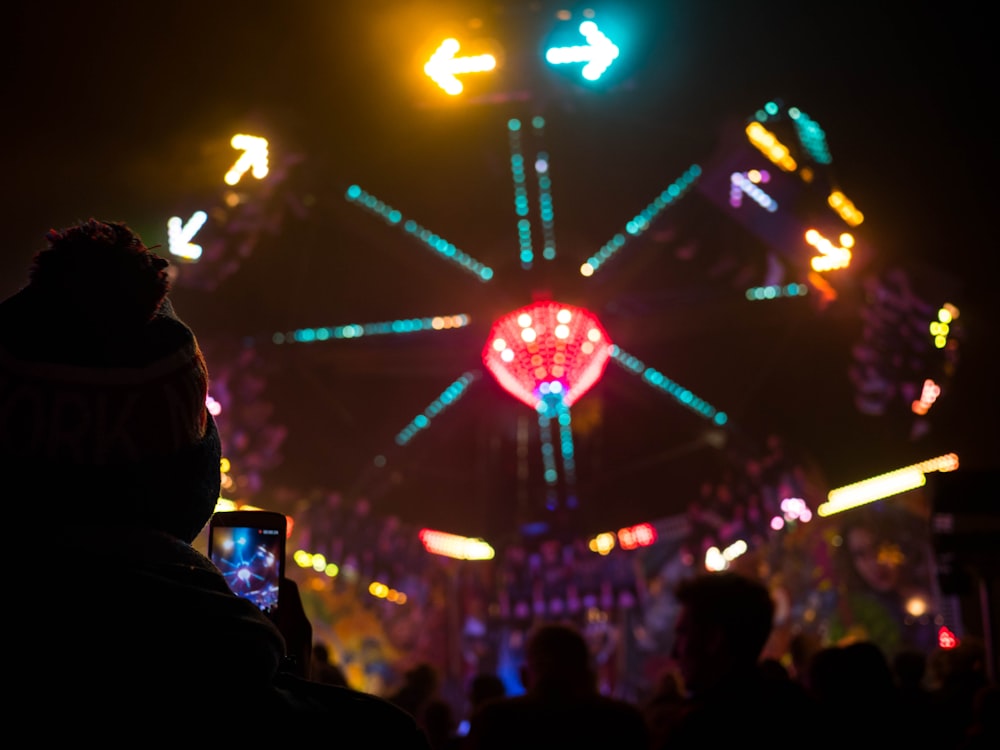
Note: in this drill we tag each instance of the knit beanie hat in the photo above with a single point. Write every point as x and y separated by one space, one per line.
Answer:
102 390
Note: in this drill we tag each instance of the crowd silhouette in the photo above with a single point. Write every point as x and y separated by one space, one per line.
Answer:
104 390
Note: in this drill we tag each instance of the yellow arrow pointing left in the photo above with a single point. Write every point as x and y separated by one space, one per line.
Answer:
443 66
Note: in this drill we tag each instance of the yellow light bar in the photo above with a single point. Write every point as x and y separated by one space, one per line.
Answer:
885 485
845 208
453 545
769 145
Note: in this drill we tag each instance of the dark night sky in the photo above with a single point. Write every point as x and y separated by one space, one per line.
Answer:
124 110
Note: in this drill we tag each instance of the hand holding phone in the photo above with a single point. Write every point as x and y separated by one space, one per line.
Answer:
248 548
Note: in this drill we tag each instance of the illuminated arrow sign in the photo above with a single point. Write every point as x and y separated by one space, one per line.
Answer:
599 52
179 235
746 182
254 158
444 66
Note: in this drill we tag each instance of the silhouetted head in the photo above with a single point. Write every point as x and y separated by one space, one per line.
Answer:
724 622
422 678
557 655
910 667
103 390
485 686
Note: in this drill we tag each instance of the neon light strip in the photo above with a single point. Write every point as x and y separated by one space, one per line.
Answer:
553 406
768 144
845 209
642 221
660 381
822 286
548 452
438 244
568 454
885 485
527 253
448 397
545 212
811 135
741 184
774 291
357 330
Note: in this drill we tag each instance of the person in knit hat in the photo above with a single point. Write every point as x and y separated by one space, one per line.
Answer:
109 469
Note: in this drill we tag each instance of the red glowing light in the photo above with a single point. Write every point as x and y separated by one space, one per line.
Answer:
547 347
946 639
641 535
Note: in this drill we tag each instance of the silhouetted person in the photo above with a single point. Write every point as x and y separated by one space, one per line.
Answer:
420 685
723 624
483 687
437 718
801 649
323 669
983 731
957 677
664 707
561 706
917 704
858 697
110 468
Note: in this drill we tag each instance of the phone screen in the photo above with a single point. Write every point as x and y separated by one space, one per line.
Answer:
250 559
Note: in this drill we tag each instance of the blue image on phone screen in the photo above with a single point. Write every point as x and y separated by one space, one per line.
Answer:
249 561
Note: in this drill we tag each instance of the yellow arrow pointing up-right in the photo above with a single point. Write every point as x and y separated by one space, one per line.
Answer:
443 66
254 158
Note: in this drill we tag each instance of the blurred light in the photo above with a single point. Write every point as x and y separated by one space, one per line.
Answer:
443 66
598 53
947 639
643 220
448 397
179 235
916 606
885 485
661 382
524 353
716 560
740 183
831 256
941 328
928 396
776 291
357 330
253 158
603 543
391 216
795 509
640 535
768 144
455 546
811 136
821 285
845 209
214 407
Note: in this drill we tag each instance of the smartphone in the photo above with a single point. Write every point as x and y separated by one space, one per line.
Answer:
248 547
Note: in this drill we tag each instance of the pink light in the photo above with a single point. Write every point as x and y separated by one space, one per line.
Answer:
547 347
